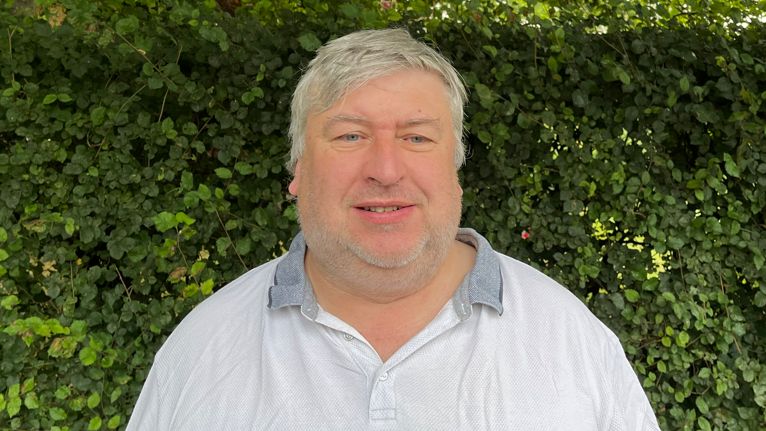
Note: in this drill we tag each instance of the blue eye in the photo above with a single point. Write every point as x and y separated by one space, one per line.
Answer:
417 139
351 137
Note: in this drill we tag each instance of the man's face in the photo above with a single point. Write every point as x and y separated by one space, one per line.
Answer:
377 183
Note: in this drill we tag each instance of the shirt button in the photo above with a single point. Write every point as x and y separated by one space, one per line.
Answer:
348 337
383 377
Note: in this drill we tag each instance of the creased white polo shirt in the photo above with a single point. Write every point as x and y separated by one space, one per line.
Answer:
512 350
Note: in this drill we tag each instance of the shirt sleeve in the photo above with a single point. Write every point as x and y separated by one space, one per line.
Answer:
146 414
632 410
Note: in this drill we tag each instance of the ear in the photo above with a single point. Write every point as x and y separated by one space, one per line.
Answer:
293 187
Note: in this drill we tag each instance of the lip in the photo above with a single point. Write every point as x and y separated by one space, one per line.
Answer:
404 211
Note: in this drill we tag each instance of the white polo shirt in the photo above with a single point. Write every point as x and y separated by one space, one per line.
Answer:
512 350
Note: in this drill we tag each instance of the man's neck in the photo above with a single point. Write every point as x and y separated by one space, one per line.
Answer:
392 317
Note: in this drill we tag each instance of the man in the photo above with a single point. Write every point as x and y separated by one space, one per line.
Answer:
384 314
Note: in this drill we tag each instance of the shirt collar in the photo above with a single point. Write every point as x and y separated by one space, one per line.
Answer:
483 285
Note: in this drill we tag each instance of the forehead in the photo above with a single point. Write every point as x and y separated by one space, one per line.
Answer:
405 93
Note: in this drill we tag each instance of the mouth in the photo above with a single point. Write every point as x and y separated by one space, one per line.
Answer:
381 209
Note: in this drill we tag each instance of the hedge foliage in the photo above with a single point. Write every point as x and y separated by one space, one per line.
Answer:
621 149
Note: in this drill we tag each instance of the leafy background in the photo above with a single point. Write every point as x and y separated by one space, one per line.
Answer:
618 146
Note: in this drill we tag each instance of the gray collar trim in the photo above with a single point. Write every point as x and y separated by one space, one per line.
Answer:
483 285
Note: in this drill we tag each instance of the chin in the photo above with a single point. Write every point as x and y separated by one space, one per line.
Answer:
392 259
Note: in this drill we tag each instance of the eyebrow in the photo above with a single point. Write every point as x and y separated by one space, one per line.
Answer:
434 122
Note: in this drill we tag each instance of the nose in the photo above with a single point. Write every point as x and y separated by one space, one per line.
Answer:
385 163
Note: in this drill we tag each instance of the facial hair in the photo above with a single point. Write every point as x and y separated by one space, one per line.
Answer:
361 270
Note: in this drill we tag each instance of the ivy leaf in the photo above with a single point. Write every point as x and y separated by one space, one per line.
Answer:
114 422
94 400
13 406
223 173
97 115
165 221
730 165
57 414
127 25
682 339
8 302
631 295
541 10
684 84
95 423
309 41
50 98
88 356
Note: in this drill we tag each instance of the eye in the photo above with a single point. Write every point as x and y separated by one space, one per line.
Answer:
351 137
417 139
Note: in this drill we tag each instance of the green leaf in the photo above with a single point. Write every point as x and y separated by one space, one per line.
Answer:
197 267
579 98
675 243
114 422
759 260
682 339
623 76
69 226
63 97
631 295
541 10
94 400
207 287
50 98
223 173
3 235
167 125
553 64
701 405
181 217
98 115
730 165
115 395
88 356
684 84
350 10
31 402
57 414
309 41
95 423
204 192
28 385
9 302
165 221
485 94
3 255
491 50
187 180
127 25
13 406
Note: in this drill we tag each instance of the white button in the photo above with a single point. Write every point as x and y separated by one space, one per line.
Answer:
348 337
383 377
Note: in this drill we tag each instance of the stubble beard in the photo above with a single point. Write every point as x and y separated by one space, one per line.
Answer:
357 269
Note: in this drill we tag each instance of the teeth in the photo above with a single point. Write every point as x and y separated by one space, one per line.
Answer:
381 209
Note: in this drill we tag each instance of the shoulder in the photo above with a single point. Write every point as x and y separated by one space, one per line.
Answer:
545 321
535 300
231 313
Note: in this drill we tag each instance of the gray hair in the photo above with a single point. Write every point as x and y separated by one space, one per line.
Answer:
347 63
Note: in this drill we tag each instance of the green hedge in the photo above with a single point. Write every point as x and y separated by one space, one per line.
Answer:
142 160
